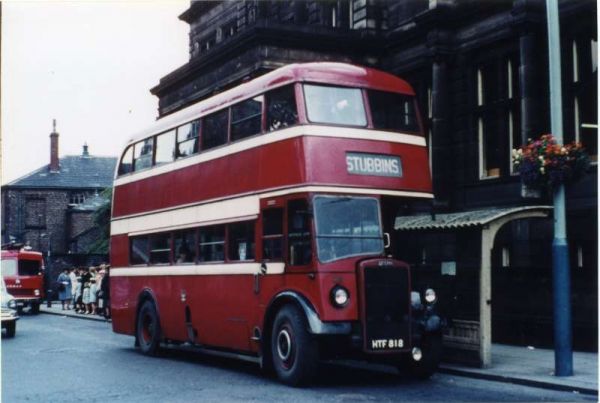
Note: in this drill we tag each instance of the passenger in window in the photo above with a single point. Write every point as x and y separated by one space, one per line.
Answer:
184 254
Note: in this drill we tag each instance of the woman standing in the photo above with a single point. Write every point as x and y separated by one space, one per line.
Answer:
64 288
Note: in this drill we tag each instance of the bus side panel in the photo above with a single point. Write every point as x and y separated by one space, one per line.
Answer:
123 305
259 168
119 251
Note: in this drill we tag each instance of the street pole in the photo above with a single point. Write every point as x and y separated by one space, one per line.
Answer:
563 354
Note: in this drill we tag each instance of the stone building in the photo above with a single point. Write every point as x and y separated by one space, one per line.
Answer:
51 208
480 70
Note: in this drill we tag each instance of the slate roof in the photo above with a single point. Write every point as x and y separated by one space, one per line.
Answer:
76 171
462 219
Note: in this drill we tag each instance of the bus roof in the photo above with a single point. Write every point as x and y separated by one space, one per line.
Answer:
319 72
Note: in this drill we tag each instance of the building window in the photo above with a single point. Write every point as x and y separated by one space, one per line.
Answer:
76 198
497 115
583 94
35 212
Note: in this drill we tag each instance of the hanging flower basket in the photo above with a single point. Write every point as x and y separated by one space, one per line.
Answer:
545 164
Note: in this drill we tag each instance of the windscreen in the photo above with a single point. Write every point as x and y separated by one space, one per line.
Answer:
29 267
347 226
336 105
9 267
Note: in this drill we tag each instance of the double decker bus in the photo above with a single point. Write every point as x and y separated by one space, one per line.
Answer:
23 272
255 224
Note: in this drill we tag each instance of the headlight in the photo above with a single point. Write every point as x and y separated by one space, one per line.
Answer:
430 296
36 293
12 304
339 296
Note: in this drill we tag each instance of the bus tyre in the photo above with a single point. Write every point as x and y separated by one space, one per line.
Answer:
35 308
11 329
293 348
431 349
148 329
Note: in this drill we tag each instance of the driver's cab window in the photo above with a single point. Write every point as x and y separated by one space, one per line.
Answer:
299 233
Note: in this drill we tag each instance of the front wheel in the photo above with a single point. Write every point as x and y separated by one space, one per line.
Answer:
293 349
35 308
148 331
431 349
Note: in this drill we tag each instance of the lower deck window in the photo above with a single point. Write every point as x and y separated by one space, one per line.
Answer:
211 244
184 247
160 249
139 250
241 241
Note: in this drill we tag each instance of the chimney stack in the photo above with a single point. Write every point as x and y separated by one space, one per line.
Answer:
54 167
85 153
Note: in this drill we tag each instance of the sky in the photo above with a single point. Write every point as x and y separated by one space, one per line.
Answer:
87 64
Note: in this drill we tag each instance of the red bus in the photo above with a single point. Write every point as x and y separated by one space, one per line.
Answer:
23 272
255 224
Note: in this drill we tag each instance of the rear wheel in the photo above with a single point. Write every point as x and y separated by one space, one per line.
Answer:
11 329
148 329
293 349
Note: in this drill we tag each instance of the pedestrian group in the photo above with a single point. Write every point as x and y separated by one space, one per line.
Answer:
86 290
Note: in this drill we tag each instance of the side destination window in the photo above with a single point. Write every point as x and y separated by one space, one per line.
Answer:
273 234
138 251
126 165
160 248
214 129
246 118
211 244
241 244
185 247
142 154
188 140
281 108
299 233
165 148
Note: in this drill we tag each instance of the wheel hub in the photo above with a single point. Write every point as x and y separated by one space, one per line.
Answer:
284 345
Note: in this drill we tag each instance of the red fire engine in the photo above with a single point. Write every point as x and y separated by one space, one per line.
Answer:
23 272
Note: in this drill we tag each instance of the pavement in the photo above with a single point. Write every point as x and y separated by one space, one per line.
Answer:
527 366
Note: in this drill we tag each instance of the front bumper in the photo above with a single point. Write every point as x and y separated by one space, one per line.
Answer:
8 316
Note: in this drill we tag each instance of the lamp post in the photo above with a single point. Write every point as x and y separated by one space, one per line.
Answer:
48 283
563 354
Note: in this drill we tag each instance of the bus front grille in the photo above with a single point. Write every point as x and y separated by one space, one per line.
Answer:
386 308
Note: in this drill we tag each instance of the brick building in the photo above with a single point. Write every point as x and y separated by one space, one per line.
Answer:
480 73
51 208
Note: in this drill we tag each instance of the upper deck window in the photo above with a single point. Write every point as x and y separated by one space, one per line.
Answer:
142 154
214 130
188 139
126 165
336 105
165 148
246 118
281 108
391 111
